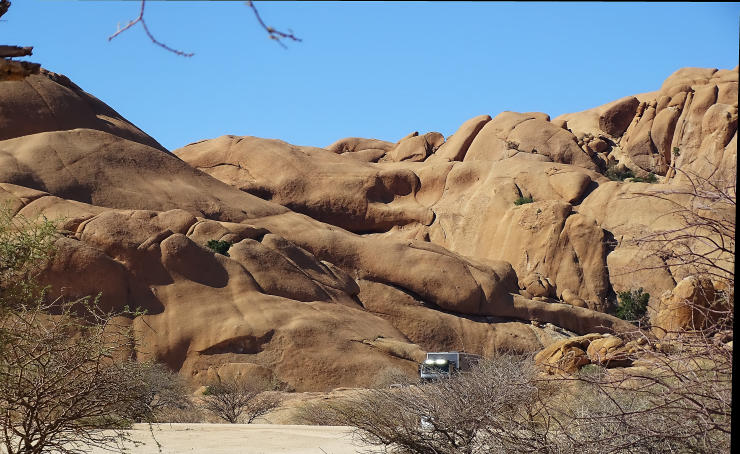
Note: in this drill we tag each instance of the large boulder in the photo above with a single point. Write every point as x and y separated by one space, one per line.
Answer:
566 356
615 120
684 308
457 145
55 103
512 134
364 196
416 148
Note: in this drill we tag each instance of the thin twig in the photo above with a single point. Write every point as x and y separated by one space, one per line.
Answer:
146 30
274 34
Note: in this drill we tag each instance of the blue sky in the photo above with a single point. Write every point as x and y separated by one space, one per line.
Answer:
376 70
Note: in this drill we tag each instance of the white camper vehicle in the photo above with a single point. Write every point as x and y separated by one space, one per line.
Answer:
444 364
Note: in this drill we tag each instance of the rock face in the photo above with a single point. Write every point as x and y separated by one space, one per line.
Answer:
568 356
57 104
685 308
361 256
694 111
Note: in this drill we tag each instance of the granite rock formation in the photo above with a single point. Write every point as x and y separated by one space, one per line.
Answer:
361 256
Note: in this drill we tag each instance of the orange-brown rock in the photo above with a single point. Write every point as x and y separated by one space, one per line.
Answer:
457 145
57 104
649 131
609 351
364 196
435 330
416 148
684 308
439 251
566 356
615 120
357 145
538 285
570 297
511 133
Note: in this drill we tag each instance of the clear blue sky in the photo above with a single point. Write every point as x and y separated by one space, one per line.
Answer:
376 70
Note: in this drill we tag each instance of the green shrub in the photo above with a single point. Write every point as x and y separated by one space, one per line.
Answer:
219 247
632 304
615 175
676 151
523 200
651 178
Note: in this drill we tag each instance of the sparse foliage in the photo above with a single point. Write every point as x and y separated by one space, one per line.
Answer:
25 247
66 382
219 247
633 305
164 390
703 242
614 174
523 200
506 406
236 400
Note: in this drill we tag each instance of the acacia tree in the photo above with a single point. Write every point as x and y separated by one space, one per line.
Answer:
69 378
237 400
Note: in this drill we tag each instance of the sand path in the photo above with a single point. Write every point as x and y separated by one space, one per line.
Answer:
242 439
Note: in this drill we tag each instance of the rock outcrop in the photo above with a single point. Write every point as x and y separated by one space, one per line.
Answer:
361 256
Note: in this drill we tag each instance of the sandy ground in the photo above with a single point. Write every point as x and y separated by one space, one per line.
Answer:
242 439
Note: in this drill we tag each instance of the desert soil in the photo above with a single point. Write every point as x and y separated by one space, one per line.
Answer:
242 439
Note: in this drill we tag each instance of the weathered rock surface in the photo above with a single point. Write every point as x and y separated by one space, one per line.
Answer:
685 308
567 356
363 255
511 134
695 111
57 104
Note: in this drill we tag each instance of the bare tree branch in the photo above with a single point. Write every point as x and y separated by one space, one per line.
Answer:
143 24
4 5
274 34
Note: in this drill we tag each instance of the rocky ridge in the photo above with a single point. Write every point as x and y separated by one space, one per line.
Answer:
361 256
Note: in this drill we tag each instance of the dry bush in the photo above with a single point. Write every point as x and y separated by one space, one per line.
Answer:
506 405
703 241
240 399
313 413
392 376
494 408
67 382
168 396
191 414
